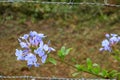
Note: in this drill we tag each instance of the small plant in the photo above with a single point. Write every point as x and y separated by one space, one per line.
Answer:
33 46
63 52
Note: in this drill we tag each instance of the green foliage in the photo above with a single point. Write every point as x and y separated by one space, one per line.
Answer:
104 73
80 67
52 60
95 69
92 67
89 64
63 52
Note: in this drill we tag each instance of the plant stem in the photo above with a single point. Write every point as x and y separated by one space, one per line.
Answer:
67 63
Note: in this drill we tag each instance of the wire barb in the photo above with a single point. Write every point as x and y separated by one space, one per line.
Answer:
71 3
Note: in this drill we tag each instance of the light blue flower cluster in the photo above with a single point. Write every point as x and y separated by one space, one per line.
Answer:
33 45
111 40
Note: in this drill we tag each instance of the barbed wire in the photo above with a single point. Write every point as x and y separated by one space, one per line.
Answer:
23 77
44 78
38 78
106 3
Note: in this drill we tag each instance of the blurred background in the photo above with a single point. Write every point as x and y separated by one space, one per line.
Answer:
78 26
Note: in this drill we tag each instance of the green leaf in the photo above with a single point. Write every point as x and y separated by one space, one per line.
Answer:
52 60
63 52
60 53
75 74
113 73
89 64
96 68
67 51
104 73
79 67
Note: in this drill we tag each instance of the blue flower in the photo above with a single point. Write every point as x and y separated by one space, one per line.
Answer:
25 36
40 36
106 45
19 54
107 35
23 45
33 33
119 38
33 41
44 58
50 49
112 39
33 46
40 52
31 60
113 35
46 47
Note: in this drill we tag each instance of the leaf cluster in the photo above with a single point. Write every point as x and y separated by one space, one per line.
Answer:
96 70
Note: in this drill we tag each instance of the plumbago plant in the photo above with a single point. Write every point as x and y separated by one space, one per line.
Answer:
33 45
35 52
